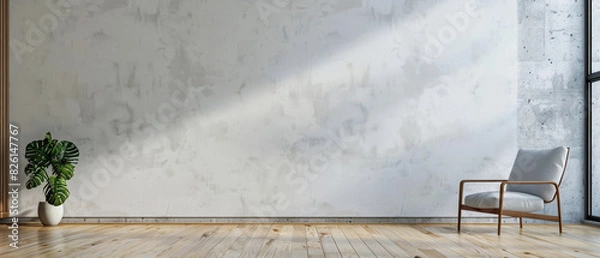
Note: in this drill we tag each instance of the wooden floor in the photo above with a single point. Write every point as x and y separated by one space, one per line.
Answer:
303 240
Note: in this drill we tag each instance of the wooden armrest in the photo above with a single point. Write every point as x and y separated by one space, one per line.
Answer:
463 182
483 181
527 183
530 183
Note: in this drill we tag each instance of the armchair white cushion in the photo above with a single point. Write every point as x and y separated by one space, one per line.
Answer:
538 165
514 201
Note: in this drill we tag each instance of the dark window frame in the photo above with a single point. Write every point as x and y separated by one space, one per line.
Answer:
591 77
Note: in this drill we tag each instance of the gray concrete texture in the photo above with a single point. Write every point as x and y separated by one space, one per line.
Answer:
551 109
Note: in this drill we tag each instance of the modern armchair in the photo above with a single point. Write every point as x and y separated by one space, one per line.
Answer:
533 182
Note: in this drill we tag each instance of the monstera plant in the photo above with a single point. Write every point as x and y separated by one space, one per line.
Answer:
61 157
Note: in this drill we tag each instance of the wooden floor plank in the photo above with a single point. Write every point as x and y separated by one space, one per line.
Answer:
257 242
346 249
386 243
359 246
227 241
273 237
214 240
183 238
407 246
299 245
196 241
469 241
300 240
315 249
329 246
430 245
437 241
371 242
236 249
567 245
146 243
284 246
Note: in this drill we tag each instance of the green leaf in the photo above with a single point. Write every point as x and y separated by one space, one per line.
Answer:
64 170
47 139
56 190
71 153
35 153
53 148
48 136
30 168
37 176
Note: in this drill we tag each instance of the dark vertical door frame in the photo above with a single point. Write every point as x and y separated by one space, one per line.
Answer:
4 107
590 77
588 107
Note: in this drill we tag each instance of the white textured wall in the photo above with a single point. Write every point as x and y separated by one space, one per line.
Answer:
253 108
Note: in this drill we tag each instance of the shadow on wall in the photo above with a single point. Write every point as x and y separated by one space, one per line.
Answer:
216 109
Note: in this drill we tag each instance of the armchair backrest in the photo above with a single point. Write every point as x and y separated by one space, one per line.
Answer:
539 165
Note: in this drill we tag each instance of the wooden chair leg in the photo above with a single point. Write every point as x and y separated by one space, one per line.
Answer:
500 205
460 197
520 222
499 222
559 211
459 215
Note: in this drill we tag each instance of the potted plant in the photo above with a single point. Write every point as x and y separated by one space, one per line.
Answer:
61 156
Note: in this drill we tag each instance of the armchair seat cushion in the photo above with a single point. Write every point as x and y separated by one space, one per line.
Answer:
514 201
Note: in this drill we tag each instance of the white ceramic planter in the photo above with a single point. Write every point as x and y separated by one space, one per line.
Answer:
49 214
